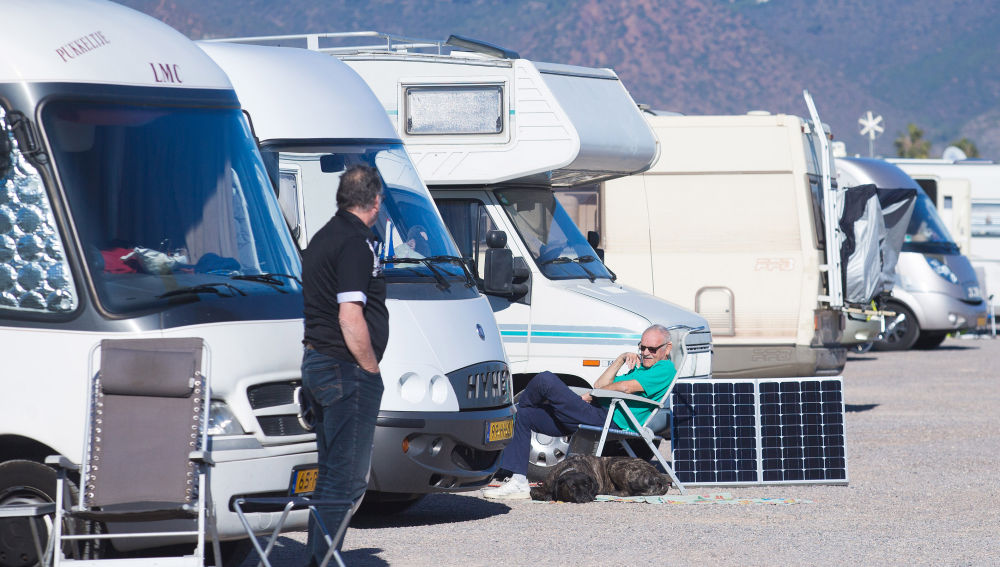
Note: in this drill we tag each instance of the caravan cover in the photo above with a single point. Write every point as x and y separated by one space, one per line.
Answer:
873 225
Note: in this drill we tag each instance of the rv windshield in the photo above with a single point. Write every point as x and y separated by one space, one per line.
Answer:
555 243
926 232
171 205
416 245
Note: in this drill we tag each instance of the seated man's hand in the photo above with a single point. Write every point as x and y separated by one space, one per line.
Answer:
587 398
630 359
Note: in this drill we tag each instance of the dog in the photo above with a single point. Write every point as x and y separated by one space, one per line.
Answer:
580 478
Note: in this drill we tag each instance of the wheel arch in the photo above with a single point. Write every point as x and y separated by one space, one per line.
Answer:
17 447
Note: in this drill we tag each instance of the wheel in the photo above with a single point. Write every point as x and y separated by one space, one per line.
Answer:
25 482
387 503
545 452
929 340
901 332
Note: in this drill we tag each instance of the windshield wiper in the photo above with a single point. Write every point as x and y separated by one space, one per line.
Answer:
470 280
578 261
202 288
442 282
271 279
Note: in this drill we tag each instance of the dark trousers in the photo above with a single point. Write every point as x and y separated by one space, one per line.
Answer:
345 400
549 407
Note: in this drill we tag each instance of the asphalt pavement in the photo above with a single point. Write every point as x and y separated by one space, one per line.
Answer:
923 439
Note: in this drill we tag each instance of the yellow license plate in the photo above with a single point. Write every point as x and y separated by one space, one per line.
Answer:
303 481
980 322
500 430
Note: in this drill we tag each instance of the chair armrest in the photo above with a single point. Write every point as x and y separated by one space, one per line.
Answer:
611 394
61 462
580 391
201 457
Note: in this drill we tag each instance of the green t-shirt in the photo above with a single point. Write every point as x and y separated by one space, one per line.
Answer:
654 381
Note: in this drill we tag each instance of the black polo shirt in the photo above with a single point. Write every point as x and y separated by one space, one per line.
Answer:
341 264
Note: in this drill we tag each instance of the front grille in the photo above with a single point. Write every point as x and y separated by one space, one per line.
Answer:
273 394
693 349
484 385
472 459
281 422
280 425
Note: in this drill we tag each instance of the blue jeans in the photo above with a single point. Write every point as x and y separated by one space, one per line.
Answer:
549 407
345 400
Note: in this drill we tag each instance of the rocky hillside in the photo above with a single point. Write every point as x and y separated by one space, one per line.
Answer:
922 61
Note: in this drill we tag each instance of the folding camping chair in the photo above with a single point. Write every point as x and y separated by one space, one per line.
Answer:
648 430
143 454
286 505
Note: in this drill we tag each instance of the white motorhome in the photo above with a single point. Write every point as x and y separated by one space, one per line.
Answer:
967 196
447 408
134 204
731 225
936 291
492 134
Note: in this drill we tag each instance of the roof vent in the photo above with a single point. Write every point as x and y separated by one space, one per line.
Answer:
483 47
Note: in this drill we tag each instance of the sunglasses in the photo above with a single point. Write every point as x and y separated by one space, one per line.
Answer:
643 347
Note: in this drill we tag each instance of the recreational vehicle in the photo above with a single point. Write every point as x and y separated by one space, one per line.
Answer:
967 196
133 205
447 409
729 222
492 134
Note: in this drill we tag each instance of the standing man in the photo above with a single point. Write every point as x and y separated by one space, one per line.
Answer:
346 331
548 406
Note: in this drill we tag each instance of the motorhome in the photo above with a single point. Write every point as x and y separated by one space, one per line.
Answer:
134 204
492 134
730 222
967 196
447 408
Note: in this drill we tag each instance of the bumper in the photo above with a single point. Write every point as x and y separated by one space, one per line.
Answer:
256 472
941 312
445 452
777 361
858 332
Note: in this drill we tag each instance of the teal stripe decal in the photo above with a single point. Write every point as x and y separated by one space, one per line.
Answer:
392 112
565 335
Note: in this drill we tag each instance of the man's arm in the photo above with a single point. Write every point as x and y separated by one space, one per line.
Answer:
627 386
608 376
356 337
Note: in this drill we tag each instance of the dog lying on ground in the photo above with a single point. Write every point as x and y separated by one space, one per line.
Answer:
580 478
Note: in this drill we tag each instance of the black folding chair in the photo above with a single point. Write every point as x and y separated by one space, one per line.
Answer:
285 505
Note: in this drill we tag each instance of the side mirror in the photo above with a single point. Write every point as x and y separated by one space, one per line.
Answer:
498 271
594 239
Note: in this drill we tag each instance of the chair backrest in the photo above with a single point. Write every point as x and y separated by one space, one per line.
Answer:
147 411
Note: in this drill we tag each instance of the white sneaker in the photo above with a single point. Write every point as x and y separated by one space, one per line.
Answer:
512 489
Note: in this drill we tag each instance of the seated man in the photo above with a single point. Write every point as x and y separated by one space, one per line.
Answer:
549 407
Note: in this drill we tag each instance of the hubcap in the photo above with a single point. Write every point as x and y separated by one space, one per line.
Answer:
547 451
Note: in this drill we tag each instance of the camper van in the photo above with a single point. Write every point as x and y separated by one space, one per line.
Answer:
730 223
134 204
967 196
936 289
492 134
447 409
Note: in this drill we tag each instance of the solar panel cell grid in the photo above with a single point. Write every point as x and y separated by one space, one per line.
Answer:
758 431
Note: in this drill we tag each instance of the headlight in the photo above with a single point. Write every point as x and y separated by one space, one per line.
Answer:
221 420
941 269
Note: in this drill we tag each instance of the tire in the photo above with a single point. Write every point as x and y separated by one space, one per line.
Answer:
901 332
387 503
25 482
928 340
234 552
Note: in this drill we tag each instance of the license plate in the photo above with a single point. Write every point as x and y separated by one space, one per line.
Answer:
981 322
500 430
303 480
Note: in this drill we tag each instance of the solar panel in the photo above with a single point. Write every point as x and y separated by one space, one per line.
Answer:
759 431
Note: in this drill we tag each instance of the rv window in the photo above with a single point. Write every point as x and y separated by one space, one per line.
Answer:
454 110
171 205
930 187
986 219
816 190
34 273
468 222
288 197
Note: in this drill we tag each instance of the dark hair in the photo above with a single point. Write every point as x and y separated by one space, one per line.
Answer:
360 185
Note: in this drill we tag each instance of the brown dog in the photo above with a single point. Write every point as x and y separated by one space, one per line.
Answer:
580 478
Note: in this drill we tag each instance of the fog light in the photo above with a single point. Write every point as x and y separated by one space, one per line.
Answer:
952 318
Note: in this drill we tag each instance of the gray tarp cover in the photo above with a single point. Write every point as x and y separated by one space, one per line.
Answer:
873 225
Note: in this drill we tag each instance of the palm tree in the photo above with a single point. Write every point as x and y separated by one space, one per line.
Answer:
967 146
912 144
